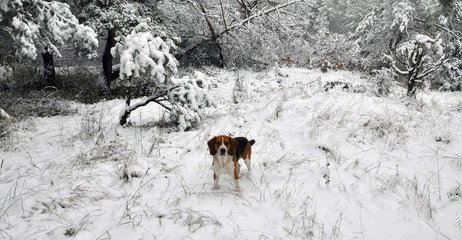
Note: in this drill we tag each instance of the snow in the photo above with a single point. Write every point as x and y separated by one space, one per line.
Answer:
4 115
424 38
394 167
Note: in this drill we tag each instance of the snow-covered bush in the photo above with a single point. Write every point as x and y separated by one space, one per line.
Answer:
147 58
5 73
188 96
240 91
450 75
384 80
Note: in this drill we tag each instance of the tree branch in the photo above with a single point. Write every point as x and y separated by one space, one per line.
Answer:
223 14
158 98
435 67
209 24
454 33
256 15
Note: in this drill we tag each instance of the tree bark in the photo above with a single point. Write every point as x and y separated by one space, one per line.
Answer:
415 65
411 87
109 75
49 72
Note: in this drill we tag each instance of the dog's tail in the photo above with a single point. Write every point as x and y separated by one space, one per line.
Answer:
251 142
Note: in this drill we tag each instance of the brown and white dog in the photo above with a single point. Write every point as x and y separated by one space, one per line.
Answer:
226 151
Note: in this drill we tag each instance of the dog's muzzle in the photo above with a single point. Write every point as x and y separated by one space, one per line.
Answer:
222 151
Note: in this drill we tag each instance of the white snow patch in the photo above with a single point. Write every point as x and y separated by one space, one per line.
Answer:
394 167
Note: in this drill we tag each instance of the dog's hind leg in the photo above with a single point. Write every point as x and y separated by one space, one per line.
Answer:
236 177
247 163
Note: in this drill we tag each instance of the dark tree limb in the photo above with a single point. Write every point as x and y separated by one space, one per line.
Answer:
109 74
223 14
209 24
49 70
256 15
214 36
157 98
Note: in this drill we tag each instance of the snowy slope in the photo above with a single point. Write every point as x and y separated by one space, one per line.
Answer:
335 164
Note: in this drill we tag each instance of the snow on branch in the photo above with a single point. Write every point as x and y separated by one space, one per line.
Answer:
4 115
140 52
258 14
188 97
143 55
41 24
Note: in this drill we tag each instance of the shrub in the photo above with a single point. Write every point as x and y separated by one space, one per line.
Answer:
384 80
145 58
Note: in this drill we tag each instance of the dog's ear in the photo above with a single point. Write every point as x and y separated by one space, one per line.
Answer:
212 148
233 146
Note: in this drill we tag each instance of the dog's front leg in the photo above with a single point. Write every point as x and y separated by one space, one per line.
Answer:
215 181
238 188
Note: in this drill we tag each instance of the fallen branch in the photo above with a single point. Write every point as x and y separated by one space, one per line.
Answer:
158 98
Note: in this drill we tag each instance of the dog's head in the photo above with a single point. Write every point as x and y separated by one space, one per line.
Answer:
222 145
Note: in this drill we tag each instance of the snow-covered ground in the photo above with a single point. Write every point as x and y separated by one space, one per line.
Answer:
335 164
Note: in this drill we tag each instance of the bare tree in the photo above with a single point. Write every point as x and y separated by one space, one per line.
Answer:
204 24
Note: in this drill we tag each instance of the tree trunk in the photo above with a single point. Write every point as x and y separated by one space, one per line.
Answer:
49 70
108 74
413 75
126 112
214 36
411 87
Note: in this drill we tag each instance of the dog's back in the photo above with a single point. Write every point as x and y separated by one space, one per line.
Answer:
242 143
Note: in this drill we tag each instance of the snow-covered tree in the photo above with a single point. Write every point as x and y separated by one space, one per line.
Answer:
240 33
448 20
322 33
41 26
417 59
146 58
329 43
117 18
385 25
381 29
